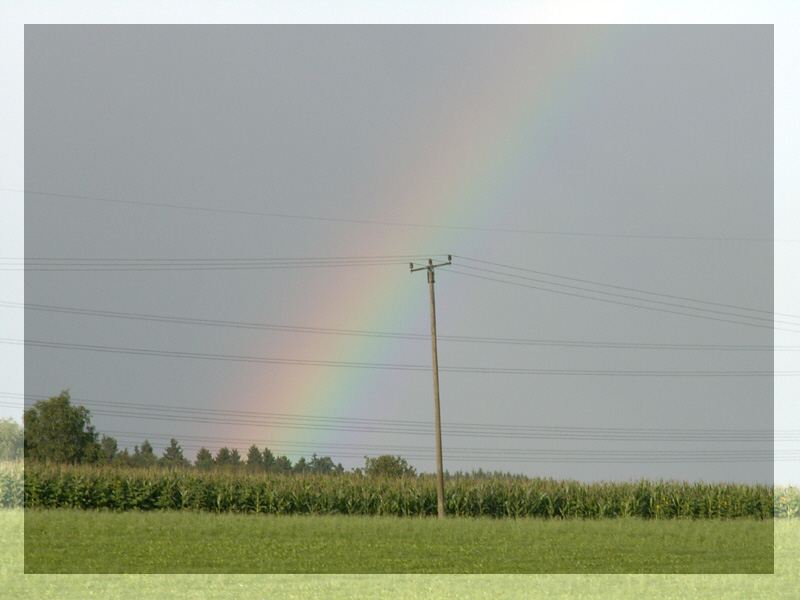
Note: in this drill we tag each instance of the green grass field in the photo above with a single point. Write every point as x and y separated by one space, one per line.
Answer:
74 541
784 583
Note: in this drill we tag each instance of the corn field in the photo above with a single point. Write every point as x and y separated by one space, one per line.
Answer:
11 491
48 486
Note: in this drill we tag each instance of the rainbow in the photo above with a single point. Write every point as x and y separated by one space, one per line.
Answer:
470 165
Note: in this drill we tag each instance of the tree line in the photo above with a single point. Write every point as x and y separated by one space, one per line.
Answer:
56 431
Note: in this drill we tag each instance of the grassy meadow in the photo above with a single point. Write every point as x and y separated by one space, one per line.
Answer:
783 584
74 541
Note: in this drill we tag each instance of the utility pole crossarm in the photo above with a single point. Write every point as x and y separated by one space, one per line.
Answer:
430 264
439 469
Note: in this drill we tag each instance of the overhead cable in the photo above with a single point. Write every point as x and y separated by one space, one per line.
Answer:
385 334
391 366
45 194
608 300
619 287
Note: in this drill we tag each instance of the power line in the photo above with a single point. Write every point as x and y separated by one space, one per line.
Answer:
665 303
130 266
506 455
541 457
104 264
487 454
538 456
702 433
288 259
386 223
385 334
629 289
217 357
265 419
390 366
383 448
473 453
50 264
658 309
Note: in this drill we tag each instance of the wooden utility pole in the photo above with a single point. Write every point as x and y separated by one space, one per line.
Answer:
439 470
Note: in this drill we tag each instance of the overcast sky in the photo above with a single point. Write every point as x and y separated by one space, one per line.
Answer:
636 157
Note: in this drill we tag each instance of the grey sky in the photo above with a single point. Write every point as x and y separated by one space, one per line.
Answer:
649 131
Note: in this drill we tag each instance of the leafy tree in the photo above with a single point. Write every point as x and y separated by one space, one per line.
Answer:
388 466
173 456
57 431
282 465
147 448
301 466
235 459
122 459
255 460
322 466
10 440
268 459
143 457
109 446
223 457
204 461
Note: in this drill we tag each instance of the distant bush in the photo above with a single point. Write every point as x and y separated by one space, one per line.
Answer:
387 465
